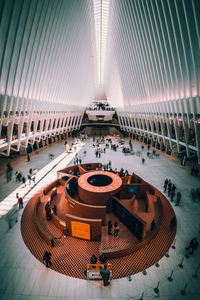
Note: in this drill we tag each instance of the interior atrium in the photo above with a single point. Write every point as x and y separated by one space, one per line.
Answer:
109 88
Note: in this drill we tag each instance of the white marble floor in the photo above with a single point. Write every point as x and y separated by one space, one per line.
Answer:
23 277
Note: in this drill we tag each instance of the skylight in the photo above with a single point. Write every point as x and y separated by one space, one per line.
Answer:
101 12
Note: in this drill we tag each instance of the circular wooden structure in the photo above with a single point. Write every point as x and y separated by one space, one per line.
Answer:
97 187
134 202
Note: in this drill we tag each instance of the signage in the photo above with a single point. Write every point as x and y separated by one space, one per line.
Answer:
80 230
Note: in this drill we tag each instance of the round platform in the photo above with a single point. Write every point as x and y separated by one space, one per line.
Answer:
70 254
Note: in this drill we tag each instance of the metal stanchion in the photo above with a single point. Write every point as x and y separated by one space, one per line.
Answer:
195 275
156 290
144 272
181 264
183 292
157 264
170 277
173 246
167 254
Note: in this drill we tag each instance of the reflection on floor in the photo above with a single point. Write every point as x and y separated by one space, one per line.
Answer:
24 277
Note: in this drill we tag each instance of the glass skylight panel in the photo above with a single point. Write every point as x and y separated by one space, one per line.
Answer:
101 12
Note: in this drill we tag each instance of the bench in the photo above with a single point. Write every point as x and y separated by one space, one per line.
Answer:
50 186
44 234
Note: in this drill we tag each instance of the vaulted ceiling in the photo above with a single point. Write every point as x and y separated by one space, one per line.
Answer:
61 53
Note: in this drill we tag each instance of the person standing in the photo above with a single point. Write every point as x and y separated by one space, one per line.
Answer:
116 230
109 227
178 199
20 201
105 274
29 178
47 258
169 187
55 209
27 155
102 258
93 259
24 181
165 184
173 188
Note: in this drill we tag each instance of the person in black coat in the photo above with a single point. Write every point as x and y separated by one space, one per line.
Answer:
109 227
93 259
105 274
47 258
178 198
102 258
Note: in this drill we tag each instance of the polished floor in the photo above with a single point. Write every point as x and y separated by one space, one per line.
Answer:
22 276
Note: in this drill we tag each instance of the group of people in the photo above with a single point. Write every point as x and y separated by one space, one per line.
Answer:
102 259
123 172
108 142
48 210
77 160
19 177
32 175
104 272
115 229
171 191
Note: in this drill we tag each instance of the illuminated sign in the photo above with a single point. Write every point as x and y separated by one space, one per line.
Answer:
80 230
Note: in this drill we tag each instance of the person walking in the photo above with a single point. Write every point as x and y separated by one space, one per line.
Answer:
29 178
20 201
34 172
9 172
178 199
172 194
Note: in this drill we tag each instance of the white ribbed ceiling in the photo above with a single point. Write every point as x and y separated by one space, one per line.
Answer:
140 51
153 52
